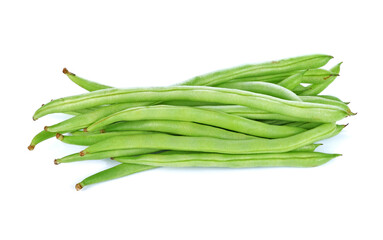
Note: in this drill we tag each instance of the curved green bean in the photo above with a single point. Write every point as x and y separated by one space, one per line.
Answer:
274 67
85 84
316 99
75 157
89 139
315 89
317 76
213 118
208 144
187 159
263 88
293 81
84 120
175 127
41 136
273 78
310 111
117 171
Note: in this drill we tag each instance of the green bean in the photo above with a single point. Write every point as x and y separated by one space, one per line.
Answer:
89 139
75 157
274 78
299 89
317 76
275 67
305 125
310 111
175 127
315 89
208 144
208 117
332 98
263 88
316 99
41 136
293 81
187 159
86 84
248 112
117 171
84 120
308 148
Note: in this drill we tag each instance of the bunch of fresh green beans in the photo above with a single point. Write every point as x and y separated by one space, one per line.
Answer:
259 115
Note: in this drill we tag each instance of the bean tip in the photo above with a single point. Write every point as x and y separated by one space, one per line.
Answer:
56 162
112 158
345 125
46 128
59 136
79 186
102 131
82 153
31 147
85 129
66 71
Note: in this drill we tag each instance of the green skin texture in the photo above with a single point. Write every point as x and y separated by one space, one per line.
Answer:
175 127
118 171
311 111
41 136
84 120
213 118
187 159
275 67
89 139
86 84
331 98
309 76
208 144
263 88
126 169
132 152
317 76
106 154
315 89
291 82
316 99
273 78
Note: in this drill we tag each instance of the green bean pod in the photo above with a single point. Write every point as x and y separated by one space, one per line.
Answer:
263 88
86 84
75 157
305 125
187 159
41 136
175 127
117 171
315 89
332 98
273 78
84 120
293 81
317 76
208 117
310 111
316 99
308 148
274 67
208 144
89 139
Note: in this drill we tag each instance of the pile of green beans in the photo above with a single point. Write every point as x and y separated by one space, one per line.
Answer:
256 115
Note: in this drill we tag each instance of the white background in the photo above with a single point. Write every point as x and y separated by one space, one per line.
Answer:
160 43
